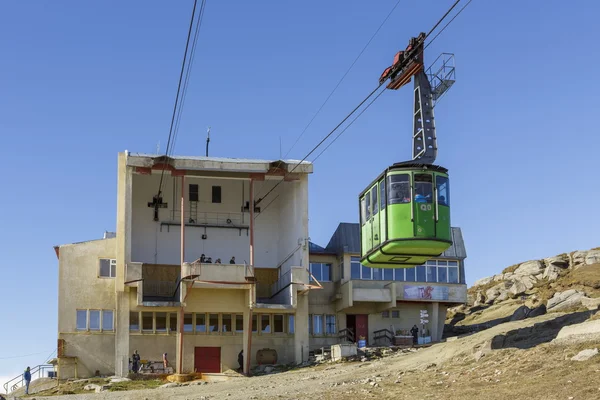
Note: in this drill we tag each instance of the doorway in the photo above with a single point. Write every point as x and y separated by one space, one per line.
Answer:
359 325
207 359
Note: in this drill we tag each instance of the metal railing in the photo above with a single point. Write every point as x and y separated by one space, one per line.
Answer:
19 381
346 334
384 334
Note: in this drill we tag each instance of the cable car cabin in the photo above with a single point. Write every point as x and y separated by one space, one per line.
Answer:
405 216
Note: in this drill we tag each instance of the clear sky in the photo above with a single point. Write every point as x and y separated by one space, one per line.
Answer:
81 81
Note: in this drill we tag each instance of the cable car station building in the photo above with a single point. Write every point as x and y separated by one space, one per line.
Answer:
240 275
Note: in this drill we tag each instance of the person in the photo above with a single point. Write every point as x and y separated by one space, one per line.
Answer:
232 261
218 261
208 260
415 333
241 360
442 200
27 377
165 361
202 258
135 365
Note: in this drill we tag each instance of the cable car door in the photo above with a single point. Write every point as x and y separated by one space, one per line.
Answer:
424 207
375 216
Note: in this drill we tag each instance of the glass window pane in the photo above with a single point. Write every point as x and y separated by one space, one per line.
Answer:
368 213
226 324
443 190
423 188
385 314
388 274
265 323
94 320
374 200
278 323
315 270
421 273
366 272
440 262
134 321
431 274
395 313
453 274
326 272
442 274
105 267
318 324
239 323
291 323
363 210
330 324
173 325
453 263
107 320
200 322
398 189
431 262
355 270
188 325
254 323
113 268
377 274
81 320
410 274
213 322
399 274
161 321
382 194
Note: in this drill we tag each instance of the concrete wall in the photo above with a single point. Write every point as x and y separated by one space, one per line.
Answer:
94 352
293 220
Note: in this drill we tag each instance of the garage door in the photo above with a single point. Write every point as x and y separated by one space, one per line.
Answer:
207 359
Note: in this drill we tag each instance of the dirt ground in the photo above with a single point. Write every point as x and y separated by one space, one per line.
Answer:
443 371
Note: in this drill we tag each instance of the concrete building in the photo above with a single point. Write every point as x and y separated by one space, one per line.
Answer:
143 288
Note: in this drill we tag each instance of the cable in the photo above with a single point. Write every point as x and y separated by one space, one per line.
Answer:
449 22
177 97
336 87
356 108
441 19
24 355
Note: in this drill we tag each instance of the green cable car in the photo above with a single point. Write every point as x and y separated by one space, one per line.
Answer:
405 211
405 216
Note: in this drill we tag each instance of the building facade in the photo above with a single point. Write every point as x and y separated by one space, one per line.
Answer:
261 283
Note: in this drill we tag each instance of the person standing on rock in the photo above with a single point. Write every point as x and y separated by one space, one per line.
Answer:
415 334
27 377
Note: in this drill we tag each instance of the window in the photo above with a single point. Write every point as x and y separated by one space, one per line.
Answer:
161 322
363 210
382 194
421 273
366 272
265 323
239 323
385 314
108 268
442 274
355 268
374 200
423 188
452 274
321 271
134 321
226 323
216 194
188 322
107 320
377 274
193 193
200 322
443 190
254 323
173 322
398 189
291 323
431 274
410 274
310 323
388 274
94 320
330 324
368 213
213 322
81 320
147 321
342 270
317 324
399 274
395 313
278 323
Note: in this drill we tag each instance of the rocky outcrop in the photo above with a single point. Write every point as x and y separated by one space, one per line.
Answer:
592 257
551 273
530 268
565 300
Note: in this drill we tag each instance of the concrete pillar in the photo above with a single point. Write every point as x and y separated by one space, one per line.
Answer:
434 321
301 335
122 334
246 339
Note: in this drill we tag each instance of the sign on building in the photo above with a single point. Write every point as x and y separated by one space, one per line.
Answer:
425 292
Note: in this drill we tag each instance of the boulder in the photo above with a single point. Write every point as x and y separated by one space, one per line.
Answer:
498 278
502 297
479 299
493 293
561 261
592 257
517 288
585 355
520 313
565 300
585 330
578 258
552 273
530 268
590 304
483 281
535 312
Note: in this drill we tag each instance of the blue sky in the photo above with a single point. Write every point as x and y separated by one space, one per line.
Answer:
81 81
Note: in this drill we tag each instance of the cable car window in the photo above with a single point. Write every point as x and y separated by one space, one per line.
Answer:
368 213
382 194
423 188
399 189
443 190
363 210
374 200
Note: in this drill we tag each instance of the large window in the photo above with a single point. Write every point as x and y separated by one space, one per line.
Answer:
374 200
399 189
239 323
226 324
108 268
321 271
193 192
330 324
81 320
363 210
265 323
188 325
134 321
421 276
423 188
368 213
317 324
278 323
355 268
161 321
443 190
216 194
382 194
213 322
200 322
291 323
94 320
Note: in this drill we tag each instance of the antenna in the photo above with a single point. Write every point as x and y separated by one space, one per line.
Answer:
158 147
207 140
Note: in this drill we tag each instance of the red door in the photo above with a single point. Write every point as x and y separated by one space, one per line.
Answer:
207 359
362 326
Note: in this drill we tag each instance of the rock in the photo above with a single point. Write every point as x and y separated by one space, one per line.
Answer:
590 304
483 281
169 385
578 258
269 369
91 387
498 278
561 261
479 299
540 276
119 380
592 257
585 330
503 296
565 300
517 288
585 355
520 313
493 293
535 312
552 273
530 268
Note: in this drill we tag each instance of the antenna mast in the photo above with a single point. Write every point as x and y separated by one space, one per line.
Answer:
207 140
